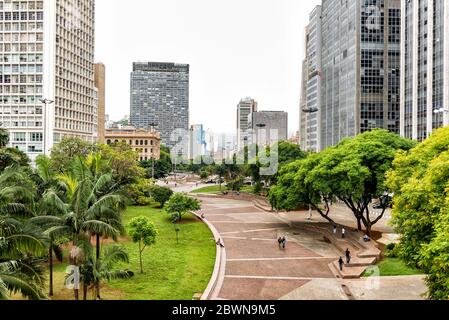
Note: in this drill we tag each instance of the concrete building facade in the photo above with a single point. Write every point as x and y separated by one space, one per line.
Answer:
424 67
160 96
47 52
100 85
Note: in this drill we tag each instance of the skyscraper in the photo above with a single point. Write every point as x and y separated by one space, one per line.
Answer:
311 99
245 107
359 69
47 53
100 85
160 96
424 67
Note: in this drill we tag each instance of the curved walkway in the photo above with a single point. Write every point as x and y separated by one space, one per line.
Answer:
255 267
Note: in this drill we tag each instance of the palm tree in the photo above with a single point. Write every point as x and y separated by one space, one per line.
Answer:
96 269
21 244
83 207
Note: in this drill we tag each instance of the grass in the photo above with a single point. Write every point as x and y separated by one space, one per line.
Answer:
171 271
393 267
215 189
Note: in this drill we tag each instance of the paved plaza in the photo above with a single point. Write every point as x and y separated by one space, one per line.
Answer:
256 268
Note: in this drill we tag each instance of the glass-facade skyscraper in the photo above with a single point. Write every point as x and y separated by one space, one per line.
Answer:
160 96
359 69
425 66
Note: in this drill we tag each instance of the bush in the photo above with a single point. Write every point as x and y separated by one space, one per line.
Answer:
392 250
160 194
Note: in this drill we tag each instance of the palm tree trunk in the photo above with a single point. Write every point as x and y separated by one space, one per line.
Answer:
98 258
50 254
84 291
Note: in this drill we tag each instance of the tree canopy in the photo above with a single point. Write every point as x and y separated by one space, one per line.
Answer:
420 181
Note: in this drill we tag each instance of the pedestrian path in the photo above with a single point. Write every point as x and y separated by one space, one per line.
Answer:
256 268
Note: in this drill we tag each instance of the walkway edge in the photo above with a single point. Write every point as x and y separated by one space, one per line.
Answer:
218 275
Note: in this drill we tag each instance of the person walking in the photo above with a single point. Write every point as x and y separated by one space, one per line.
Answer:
335 229
348 256
284 242
340 263
280 242
343 233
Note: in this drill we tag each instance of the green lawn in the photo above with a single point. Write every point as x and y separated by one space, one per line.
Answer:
172 271
215 189
393 267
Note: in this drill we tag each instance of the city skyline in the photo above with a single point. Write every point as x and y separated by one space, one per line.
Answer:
219 76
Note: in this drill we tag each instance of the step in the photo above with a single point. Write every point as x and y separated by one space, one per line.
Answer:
334 270
371 253
350 272
362 262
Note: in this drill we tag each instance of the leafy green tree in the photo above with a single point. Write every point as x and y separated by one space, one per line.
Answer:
160 194
296 189
123 163
139 192
63 153
221 171
355 172
419 180
181 204
143 232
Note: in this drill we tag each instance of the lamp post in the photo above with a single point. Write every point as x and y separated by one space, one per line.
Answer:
310 111
153 130
45 102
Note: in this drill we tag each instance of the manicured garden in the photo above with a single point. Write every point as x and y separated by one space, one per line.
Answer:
172 270
215 189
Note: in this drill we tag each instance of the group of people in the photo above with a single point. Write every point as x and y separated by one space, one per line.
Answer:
343 231
282 242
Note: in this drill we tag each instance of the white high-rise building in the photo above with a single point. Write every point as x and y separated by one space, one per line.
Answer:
47 53
244 109
424 67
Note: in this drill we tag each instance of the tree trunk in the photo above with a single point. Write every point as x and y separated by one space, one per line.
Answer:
359 223
97 284
50 254
84 292
140 255
76 292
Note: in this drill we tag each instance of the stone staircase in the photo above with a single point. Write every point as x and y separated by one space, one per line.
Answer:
364 254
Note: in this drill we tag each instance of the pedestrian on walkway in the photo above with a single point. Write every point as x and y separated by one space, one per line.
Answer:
348 256
284 242
280 242
343 233
340 263
335 229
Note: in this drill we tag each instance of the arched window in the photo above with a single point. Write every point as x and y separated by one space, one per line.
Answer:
108 142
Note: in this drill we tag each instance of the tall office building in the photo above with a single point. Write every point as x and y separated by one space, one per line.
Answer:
268 127
244 109
100 85
47 52
311 99
198 143
160 96
424 67
360 69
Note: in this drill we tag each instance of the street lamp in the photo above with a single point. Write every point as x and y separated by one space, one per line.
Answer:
45 102
153 130
310 111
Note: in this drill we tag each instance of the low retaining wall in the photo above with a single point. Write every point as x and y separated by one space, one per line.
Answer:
216 281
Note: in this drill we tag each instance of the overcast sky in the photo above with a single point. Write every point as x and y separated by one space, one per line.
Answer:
235 48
